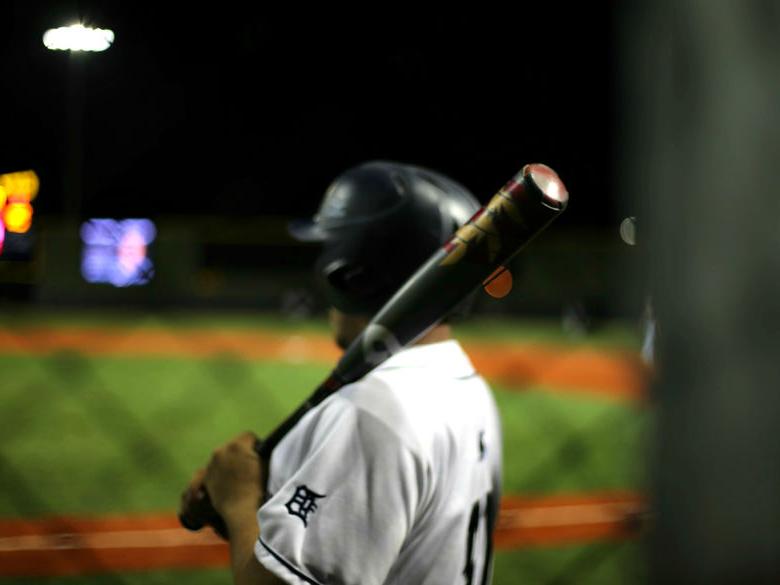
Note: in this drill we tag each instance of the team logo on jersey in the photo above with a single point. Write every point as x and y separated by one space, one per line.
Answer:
303 503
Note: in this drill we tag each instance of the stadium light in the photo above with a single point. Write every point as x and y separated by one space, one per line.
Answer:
78 37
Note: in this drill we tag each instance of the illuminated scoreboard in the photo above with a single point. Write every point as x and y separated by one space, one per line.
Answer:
17 191
116 252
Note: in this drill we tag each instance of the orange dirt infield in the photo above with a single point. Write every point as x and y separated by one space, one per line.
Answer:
611 374
71 546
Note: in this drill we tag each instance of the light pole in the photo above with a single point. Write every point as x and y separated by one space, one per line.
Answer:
76 39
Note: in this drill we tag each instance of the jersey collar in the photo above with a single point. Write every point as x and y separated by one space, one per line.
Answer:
445 355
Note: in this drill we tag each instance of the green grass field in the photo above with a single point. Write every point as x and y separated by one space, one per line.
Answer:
88 435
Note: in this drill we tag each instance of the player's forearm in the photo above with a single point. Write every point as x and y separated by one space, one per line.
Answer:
242 525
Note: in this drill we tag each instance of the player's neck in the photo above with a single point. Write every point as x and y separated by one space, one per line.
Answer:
347 327
435 335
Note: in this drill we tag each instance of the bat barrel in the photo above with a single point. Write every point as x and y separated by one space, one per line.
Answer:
544 181
495 234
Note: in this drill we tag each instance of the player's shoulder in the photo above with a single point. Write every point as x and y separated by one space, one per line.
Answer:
370 408
374 402
413 392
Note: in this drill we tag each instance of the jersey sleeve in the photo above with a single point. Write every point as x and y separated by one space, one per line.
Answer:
345 490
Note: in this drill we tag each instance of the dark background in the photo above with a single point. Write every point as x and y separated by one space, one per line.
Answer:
227 109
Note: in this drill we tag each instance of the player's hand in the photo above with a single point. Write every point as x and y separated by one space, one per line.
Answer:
195 509
193 495
233 477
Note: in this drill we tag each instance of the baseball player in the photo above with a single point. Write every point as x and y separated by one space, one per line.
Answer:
395 478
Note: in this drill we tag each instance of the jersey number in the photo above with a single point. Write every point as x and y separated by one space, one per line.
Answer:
490 520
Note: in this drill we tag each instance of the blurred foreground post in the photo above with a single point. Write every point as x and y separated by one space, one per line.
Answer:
700 124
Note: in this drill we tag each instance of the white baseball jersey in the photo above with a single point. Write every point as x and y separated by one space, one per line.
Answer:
394 479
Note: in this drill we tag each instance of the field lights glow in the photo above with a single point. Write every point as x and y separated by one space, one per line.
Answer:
78 37
19 186
17 217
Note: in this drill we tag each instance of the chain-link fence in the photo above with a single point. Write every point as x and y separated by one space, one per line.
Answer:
108 415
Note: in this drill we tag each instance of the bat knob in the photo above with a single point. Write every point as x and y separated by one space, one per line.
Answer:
197 511
549 184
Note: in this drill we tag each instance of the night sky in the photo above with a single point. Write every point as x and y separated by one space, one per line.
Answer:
236 110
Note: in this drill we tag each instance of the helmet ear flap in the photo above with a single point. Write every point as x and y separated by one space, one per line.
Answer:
349 279
350 286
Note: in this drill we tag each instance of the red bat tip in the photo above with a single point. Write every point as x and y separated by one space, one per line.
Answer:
549 183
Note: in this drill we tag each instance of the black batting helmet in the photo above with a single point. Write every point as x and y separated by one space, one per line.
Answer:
378 222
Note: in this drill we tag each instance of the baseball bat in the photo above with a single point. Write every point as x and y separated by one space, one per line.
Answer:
524 207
